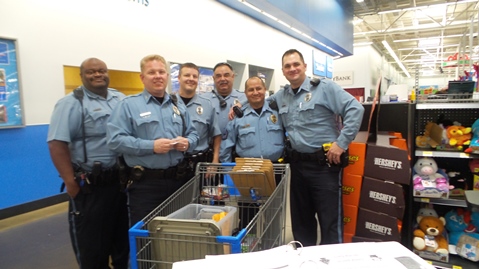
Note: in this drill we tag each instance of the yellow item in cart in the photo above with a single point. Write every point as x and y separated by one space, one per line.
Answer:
218 216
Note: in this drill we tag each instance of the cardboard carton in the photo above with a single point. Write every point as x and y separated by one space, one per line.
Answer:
350 218
376 225
357 157
351 189
382 196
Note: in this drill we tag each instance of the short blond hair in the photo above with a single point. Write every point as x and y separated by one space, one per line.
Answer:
152 57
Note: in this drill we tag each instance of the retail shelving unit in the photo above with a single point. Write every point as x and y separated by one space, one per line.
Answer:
465 111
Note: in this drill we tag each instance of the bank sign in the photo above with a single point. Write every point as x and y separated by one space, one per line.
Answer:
343 78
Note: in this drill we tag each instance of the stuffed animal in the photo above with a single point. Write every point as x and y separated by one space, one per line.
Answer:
459 222
474 145
459 136
428 236
426 211
427 180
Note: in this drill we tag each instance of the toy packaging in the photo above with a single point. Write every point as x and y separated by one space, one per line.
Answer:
428 182
430 239
468 247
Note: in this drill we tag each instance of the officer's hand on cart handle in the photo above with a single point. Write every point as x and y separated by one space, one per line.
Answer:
164 145
333 153
231 114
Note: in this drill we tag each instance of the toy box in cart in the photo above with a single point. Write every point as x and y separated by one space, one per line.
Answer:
189 226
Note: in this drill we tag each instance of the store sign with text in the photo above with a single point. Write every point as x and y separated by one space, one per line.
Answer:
343 78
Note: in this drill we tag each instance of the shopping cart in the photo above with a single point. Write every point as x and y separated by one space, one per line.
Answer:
162 238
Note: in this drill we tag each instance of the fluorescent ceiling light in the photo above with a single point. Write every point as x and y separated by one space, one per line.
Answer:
359 1
395 57
362 44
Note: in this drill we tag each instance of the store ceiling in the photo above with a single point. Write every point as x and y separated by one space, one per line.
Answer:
422 33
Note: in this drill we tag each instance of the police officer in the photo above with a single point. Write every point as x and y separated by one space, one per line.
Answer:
98 213
203 115
152 131
309 112
223 97
259 133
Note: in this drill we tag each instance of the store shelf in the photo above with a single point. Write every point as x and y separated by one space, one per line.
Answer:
455 201
445 154
455 262
453 104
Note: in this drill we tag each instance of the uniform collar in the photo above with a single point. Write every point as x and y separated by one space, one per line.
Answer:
305 86
149 98
248 109
93 95
194 100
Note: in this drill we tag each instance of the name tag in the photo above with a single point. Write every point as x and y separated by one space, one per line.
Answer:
145 114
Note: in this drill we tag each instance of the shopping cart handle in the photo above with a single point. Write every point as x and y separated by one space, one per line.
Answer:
228 164
136 230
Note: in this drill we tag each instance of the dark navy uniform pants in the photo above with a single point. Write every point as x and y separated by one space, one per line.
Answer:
148 193
99 227
316 190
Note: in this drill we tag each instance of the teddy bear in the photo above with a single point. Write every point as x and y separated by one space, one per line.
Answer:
428 236
427 179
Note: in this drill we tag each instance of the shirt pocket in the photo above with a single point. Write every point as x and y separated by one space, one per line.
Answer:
146 127
275 133
247 137
201 126
95 122
306 112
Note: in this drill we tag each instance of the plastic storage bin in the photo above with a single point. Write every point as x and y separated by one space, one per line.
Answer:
204 213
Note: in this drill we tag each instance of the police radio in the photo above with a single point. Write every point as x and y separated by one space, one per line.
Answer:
220 99
315 81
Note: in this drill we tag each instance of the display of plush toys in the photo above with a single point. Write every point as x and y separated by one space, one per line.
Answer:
459 221
427 182
474 145
429 235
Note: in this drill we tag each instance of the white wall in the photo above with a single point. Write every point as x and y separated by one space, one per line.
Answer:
54 33
367 65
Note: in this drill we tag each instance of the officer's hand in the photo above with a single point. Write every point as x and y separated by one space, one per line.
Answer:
163 145
72 188
231 114
182 144
334 153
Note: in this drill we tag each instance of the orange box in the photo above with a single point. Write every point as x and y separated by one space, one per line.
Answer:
347 238
351 189
357 157
350 219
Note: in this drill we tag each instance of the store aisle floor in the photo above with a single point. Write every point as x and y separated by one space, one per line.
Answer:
37 239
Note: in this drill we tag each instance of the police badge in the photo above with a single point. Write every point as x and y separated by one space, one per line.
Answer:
176 110
307 98
199 110
273 119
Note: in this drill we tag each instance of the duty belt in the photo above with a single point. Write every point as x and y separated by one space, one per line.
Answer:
296 156
146 173
104 178
201 156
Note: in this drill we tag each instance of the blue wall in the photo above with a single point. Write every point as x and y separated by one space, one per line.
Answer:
26 171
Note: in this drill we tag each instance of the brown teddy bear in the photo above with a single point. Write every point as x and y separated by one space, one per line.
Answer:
428 236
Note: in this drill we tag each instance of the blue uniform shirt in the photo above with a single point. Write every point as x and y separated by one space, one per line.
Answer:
222 113
203 115
140 119
253 135
309 116
66 122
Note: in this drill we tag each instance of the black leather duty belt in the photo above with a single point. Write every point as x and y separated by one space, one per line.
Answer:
296 156
146 173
